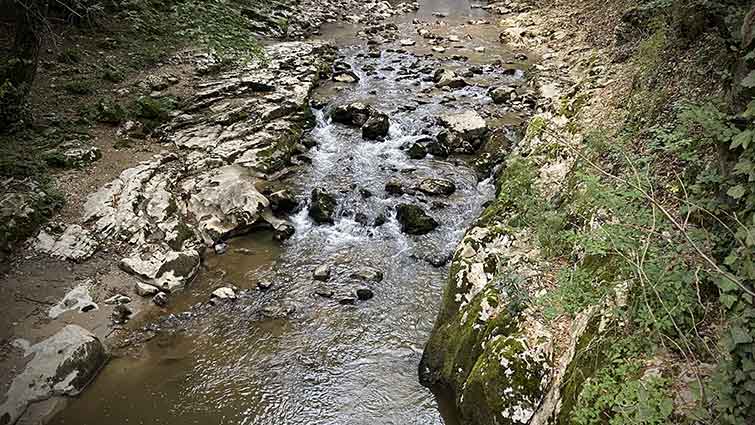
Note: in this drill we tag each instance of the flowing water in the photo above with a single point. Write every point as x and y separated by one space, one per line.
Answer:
287 355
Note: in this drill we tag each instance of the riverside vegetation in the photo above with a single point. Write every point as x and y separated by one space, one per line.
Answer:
645 248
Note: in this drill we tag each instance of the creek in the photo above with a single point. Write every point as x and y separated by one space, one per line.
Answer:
287 355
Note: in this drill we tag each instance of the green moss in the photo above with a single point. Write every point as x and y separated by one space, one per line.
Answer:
154 109
110 112
536 127
506 383
113 75
79 87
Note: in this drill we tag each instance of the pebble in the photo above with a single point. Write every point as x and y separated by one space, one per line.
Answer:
145 290
118 299
365 294
322 273
161 299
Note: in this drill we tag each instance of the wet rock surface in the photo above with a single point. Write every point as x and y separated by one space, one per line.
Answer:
414 220
323 207
437 187
62 365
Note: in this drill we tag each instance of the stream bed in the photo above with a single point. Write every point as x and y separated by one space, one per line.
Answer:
305 351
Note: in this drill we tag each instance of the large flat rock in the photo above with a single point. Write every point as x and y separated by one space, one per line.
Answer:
61 365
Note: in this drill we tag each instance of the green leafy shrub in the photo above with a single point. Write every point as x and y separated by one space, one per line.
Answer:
619 394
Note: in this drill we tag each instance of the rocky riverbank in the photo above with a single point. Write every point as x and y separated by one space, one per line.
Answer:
517 339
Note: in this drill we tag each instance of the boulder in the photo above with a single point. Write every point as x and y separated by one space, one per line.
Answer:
282 202
73 153
355 114
77 298
394 186
160 299
118 299
374 123
364 294
62 365
145 290
283 231
165 269
264 285
224 293
346 77
502 95
464 133
224 201
24 203
437 187
414 220
417 151
323 207
380 219
446 78
361 218
121 314
346 298
377 126
468 124
437 149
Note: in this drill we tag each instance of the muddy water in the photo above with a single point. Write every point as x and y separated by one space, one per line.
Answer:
287 355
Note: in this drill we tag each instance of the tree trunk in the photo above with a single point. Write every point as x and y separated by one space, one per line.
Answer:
17 76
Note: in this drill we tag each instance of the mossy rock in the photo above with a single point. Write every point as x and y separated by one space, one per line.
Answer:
506 384
110 112
155 109
24 206
486 363
414 220
589 355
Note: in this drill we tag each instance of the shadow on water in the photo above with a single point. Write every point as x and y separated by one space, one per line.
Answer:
286 355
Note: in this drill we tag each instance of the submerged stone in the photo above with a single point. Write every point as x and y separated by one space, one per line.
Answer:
369 274
322 273
437 187
417 151
323 207
364 294
414 220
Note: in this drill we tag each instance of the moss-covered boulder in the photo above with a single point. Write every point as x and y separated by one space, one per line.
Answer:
414 220
494 358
